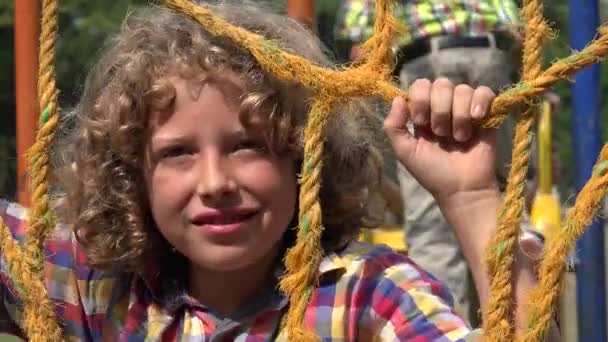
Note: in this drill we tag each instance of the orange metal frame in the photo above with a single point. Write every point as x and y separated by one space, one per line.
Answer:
302 11
27 30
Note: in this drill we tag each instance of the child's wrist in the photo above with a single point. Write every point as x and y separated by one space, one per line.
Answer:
472 215
469 200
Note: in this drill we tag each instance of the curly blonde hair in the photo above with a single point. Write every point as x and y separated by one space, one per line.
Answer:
100 158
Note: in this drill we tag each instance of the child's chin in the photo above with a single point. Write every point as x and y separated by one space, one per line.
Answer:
227 258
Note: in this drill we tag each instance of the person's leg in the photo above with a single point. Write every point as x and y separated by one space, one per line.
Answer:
489 67
493 68
497 72
430 240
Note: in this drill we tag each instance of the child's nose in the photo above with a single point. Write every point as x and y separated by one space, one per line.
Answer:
215 180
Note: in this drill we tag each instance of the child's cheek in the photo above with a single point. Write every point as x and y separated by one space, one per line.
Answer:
170 193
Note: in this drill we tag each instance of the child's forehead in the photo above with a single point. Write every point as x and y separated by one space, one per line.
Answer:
232 85
199 93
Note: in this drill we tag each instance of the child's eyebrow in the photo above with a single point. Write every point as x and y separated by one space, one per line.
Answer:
170 140
236 134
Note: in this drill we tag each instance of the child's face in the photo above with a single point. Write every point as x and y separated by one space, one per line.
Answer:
216 194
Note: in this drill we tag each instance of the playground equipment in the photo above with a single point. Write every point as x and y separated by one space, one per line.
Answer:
546 209
302 11
589 257
27 30
369 78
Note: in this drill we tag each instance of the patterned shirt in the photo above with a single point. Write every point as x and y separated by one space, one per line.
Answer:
428 18
364 293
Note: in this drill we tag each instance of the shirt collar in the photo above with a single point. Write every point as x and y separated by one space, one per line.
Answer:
166 289
331 263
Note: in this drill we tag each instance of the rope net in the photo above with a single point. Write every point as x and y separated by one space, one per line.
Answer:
372 77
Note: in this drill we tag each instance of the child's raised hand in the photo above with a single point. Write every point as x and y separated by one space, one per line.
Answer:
447 153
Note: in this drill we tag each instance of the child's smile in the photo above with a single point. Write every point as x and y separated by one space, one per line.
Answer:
217 193
224 222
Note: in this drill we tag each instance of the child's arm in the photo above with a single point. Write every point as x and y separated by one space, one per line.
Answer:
471 214
70 283
455 161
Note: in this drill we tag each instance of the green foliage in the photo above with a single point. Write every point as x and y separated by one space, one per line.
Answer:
8 179
85 26
557 13
7 101
9 338
7 8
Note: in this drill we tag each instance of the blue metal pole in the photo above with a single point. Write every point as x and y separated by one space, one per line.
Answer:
591 299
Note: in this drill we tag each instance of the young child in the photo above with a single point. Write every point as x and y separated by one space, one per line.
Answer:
178 190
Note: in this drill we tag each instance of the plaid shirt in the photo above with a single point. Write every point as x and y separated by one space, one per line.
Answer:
428 18
365 293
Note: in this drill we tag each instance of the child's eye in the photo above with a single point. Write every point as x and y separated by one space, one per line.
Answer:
175 152
251 145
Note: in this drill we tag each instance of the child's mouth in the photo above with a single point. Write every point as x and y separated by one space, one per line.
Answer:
224 221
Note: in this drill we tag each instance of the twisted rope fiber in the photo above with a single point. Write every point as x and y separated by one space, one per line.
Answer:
503 246
369 77
15 263
303 260
359 81
39 322
561 69
379 46
498 317
38 317
545 297
38 155
287 66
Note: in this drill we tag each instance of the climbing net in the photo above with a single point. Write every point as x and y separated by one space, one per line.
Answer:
371 77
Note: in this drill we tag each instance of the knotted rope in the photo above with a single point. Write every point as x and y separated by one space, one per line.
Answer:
498 316
332 86
26 266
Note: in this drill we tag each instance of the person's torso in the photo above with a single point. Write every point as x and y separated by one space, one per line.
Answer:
364 292
429 18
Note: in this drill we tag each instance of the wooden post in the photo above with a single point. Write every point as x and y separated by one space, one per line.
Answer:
302 11
27 31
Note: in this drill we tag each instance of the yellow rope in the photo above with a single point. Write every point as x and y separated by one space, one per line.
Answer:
366 80
544 298
298 282
370 77
38 316
498 316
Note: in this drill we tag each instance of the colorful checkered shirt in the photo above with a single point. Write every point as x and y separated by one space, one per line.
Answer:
365 293
429 18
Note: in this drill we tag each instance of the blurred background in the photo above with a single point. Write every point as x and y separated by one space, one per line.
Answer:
84 25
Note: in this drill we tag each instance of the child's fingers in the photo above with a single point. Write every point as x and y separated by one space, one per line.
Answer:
395 126
442 94
419 100
480 104
396 120
461 112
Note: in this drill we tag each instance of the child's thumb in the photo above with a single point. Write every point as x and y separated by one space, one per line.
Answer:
395 126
